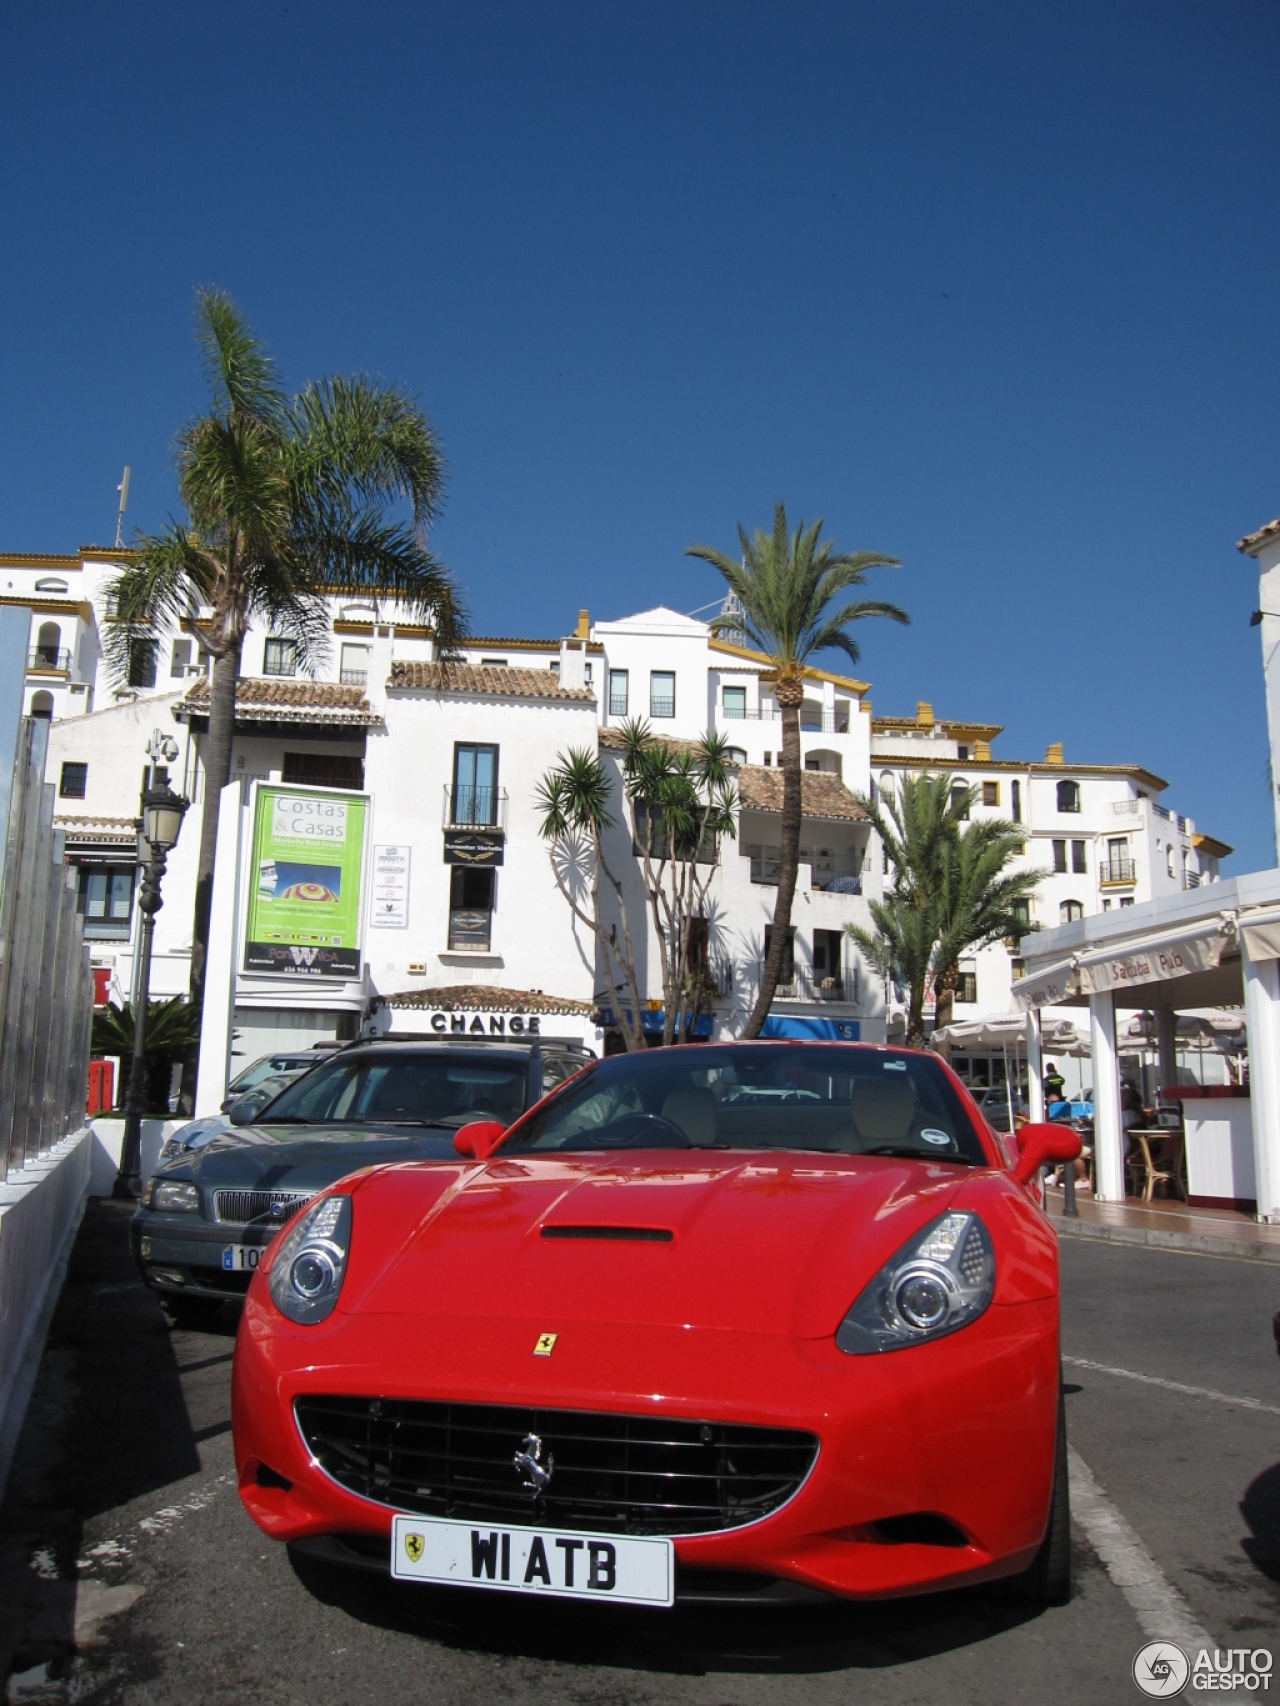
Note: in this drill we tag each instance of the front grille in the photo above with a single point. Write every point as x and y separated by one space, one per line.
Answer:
242 1208
610 1474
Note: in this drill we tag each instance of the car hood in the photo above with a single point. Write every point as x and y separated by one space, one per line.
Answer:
280 1158
770 1242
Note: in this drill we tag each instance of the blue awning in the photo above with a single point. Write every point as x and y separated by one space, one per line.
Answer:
653 1019
817 1030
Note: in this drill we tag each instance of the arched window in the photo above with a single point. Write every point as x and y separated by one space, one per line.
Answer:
1069 911
51 586
735 755
48 641
887 786
960 798
42 705
1068 796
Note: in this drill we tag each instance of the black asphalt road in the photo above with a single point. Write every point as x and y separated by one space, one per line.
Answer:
129 1573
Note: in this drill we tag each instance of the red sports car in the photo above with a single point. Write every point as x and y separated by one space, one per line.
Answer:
744 1321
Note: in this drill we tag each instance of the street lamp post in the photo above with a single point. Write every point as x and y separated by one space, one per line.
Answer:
162 813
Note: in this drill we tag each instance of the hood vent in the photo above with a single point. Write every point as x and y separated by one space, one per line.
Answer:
623 1234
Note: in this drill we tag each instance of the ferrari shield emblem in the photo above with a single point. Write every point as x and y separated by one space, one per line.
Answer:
545 1345
414 1546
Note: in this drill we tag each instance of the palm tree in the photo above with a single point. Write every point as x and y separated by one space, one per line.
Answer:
785 586
573 798
951 893
172 1026
287 499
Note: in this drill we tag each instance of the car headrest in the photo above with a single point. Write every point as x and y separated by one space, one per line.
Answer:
694 1111
883 1108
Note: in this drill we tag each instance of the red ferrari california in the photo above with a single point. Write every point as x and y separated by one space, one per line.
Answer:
741 1322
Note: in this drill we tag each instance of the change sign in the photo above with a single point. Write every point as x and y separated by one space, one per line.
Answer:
304 906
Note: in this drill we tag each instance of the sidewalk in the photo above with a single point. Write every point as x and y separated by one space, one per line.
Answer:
1168 1225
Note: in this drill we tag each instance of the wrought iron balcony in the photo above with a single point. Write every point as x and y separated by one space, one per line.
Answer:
802 983
354 677
469 807
1118 869
49 658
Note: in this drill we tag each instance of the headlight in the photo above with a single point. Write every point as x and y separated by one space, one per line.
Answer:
939 1281
168 1196
310 1260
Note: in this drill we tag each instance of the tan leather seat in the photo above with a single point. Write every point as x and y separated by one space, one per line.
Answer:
694 1111
883 1108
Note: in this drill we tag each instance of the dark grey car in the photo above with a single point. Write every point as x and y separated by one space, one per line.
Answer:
207 1215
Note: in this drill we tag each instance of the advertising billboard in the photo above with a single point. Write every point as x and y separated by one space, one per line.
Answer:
305 883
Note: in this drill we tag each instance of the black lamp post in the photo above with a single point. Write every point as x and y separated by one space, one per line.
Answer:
162 813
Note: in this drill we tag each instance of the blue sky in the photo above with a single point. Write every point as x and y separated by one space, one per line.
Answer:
992 287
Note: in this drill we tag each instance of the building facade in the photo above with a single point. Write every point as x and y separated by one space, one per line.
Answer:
462 919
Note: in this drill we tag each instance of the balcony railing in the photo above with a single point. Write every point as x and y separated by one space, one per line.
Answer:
805 984
1126 808
1191 879
49 658
354 677
468 807
828 722
1117 870
1159 810
846 872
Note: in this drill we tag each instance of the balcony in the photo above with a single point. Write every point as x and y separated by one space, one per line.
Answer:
826 722
354 677
1116 870
802 983
48 660
468 807
1127 808
840 875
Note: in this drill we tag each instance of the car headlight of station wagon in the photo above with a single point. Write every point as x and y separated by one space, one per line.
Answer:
939 1281
171 1196
310 1261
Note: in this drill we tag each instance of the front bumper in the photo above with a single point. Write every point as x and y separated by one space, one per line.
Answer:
182 1255
964 1429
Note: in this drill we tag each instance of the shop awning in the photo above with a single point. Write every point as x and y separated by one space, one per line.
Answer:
1156 959
1261 933
1047 985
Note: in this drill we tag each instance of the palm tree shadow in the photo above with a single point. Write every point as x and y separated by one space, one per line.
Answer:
1260 1508
691 1640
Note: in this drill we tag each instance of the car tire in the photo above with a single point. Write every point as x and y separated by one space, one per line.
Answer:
193 1314
1048 1581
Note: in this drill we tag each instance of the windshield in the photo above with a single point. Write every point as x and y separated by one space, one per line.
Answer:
264 1068
844 1101
371 1089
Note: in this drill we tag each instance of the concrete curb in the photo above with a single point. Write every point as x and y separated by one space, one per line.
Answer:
1198 1243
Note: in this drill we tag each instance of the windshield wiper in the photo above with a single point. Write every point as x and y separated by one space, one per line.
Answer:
907 1154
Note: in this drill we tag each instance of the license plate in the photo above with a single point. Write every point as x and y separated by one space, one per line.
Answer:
622 1569
242 1258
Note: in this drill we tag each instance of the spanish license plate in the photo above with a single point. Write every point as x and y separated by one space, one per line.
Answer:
622 1569
242 1258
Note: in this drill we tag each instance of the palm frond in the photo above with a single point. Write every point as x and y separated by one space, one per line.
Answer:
351 438
243 378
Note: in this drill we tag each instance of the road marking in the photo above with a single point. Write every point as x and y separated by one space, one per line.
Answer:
1162 1612
1175 1386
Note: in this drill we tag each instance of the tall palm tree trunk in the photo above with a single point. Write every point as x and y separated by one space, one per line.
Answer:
788 693
217 773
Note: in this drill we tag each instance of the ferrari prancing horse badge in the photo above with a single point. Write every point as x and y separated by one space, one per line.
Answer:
414 1545
545 1345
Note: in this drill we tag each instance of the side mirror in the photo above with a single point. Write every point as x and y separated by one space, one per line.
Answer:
240 1116
1042 1145
479 1139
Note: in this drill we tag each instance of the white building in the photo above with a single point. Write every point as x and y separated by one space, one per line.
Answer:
1099 833
451 757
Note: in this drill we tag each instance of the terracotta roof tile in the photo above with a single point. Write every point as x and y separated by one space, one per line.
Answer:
485 998
270 699
472 678
1251 541
821 795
